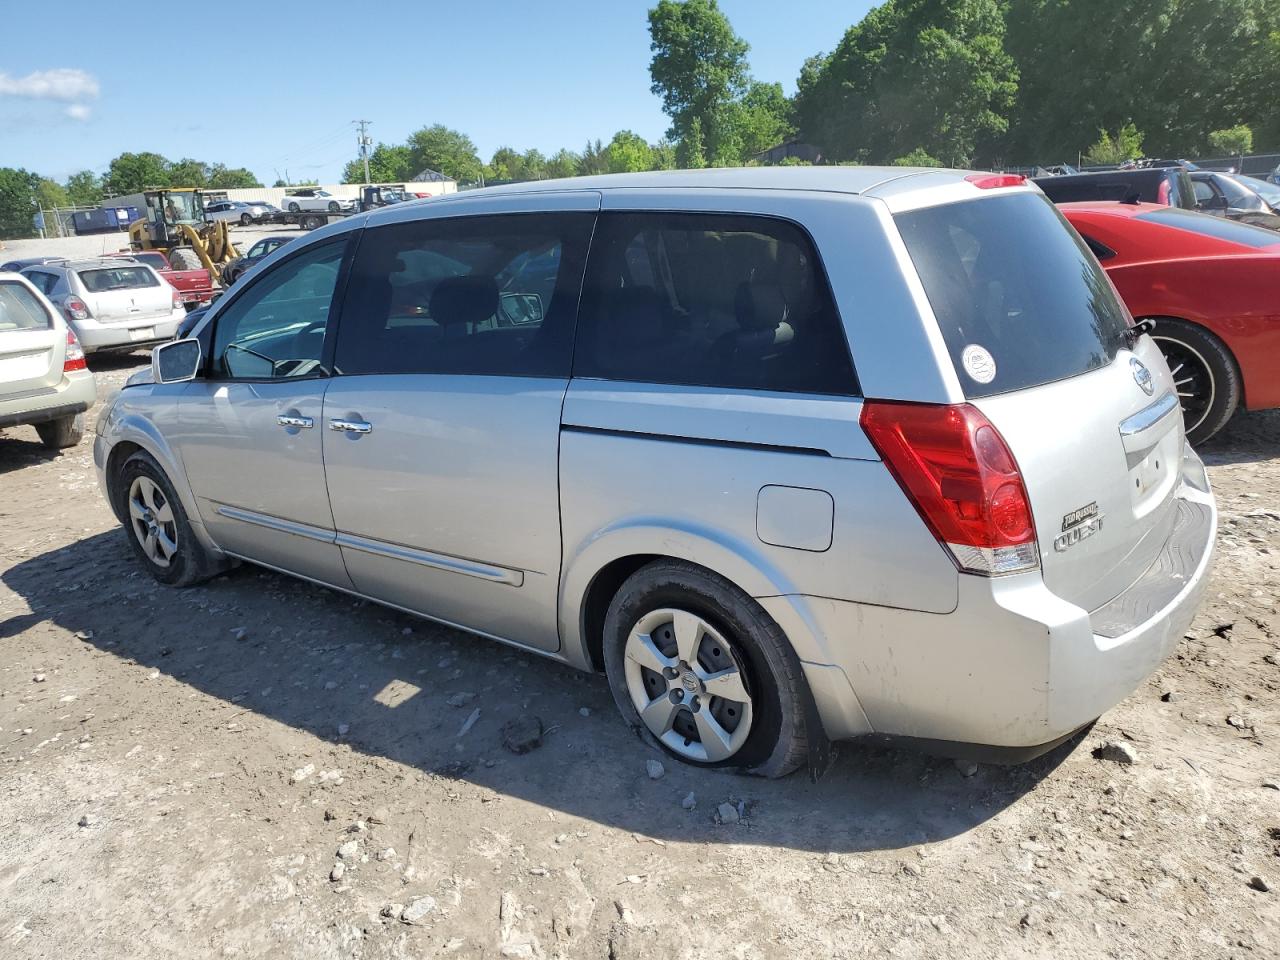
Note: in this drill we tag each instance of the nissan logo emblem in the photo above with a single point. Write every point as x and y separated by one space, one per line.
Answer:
1142 376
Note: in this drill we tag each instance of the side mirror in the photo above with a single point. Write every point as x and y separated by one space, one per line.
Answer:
176 361
521 308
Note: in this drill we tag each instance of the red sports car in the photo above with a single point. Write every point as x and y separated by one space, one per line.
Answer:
1212 288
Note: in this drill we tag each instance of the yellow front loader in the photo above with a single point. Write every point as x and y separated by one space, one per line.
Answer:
175 225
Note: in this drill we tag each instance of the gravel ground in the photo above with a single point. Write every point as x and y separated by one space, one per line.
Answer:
259 767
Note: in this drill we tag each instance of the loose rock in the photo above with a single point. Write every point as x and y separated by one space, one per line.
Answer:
584 711
38 678
418 909
303 772
84 634
461 699
337 872
967 768
388 854
469 722
349 850
727 813
1260 884
655 769
392 911
522 735
239 634
1117 751
690 801
88 820
344 729
1170 696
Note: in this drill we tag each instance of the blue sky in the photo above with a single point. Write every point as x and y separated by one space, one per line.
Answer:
520 74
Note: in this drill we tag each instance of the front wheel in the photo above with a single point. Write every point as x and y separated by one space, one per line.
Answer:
1204 374
698 666
333 206
245 219
294 208
61 433
157 525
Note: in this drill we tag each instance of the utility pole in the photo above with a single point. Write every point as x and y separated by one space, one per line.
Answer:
364 142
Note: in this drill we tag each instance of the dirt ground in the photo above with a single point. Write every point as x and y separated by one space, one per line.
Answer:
260 768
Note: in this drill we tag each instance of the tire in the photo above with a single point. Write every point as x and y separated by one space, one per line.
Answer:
1204 373
294 208
142 481
333 206
184 258
61 433
245 219
736 641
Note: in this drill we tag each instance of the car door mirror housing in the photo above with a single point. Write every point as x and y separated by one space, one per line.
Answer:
521 308
176 362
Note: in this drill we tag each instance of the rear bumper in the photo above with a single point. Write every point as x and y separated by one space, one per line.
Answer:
75 394
1013 666
95 337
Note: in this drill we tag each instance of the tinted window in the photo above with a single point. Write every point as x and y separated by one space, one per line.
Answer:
1018 298
711 300
276 327
475 295
20 310
106 279
1216 227
44 282
155 260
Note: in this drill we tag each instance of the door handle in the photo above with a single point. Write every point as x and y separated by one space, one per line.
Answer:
350 426
302 423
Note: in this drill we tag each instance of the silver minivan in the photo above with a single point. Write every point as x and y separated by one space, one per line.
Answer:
791 455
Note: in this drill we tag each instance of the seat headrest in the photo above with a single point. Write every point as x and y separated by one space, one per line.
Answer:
759 306
464 300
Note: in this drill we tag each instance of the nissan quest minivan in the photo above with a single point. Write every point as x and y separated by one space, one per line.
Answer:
791 455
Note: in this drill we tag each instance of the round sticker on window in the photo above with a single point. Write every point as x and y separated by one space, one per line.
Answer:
978 363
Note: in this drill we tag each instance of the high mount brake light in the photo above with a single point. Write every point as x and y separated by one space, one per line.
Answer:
73 359
962 479
992 181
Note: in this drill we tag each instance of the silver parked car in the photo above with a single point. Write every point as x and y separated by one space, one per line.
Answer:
238 211
112 304
789 454
44 381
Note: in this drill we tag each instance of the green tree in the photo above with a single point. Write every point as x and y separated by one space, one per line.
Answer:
505 165
664 155
699 69
594 159
17 202
1178 69
1108 150
763 118
229 178
629 152
134 172
50 194
691 150
188 173
563 163
84 188
444 150
1234 141
533 165
919 157
931 74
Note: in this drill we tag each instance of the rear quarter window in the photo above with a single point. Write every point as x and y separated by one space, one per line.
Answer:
1019 298
106 279
20 310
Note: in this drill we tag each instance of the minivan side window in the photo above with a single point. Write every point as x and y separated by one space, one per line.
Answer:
483 295
19 310
276 328
714 300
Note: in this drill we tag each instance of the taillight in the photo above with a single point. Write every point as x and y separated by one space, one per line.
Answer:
77 309
962 479
177 299
73 359
992 181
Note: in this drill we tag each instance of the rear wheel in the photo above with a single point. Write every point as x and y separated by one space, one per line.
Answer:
1204 374
294 208
157 525
333 206
184 258
63 432
698 666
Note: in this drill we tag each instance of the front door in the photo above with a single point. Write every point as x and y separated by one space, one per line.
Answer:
250 432
441 427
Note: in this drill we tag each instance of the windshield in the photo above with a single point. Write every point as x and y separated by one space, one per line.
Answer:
156 260
1267 191
1218 228
1018 297
117 278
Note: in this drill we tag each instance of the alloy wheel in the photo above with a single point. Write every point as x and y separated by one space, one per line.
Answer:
687 685
152 522
1192 378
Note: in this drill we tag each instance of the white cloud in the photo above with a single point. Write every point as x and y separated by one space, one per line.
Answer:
79 111
63 83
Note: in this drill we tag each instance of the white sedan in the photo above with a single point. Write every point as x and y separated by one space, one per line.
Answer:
313 199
